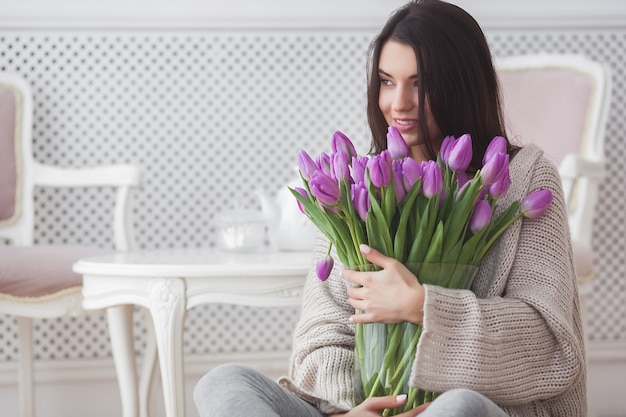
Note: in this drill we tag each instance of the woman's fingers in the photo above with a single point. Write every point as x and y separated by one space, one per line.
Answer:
380 403
375 257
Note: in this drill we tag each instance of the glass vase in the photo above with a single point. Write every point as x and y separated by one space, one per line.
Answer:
384 353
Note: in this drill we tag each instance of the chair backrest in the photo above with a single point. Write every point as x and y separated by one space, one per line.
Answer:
560 102
16 161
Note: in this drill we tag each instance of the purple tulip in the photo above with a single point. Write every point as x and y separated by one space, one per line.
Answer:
462 178
499 188
481 216
340 142
497 145
398 186
380 169
461 153
324 267
432 180
302 192
306 164
446 147
323 163
396 144
324 188
359 163
411 172
463 187
535 204
360 199
340 166
495 168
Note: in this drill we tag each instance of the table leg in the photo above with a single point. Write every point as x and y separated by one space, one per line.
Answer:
120 320
148 370
168 309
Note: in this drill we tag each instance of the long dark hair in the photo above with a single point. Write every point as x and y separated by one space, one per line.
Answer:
456 75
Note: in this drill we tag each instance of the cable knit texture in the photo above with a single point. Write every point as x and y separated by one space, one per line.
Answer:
516 337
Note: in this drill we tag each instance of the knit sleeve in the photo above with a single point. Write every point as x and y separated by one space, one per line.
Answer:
322 363
522 341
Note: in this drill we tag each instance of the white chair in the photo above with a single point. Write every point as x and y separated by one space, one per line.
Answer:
561 103
37 281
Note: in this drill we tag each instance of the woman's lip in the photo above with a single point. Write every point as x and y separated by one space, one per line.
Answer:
408 124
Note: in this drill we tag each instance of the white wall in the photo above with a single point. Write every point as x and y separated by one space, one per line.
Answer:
296 13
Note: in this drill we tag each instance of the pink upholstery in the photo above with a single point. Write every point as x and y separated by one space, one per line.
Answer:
7 153
547 107
34 271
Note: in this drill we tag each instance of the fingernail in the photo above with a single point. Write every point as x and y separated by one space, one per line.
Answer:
401 398
364 248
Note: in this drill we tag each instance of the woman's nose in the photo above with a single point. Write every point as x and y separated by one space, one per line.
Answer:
403 99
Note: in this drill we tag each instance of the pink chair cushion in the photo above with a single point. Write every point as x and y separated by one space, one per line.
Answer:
583 261
547 107
8 177
34 271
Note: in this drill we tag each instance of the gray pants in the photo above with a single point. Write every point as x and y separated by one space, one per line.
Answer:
239 391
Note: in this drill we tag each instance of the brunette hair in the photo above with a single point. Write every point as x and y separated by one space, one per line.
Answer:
456 75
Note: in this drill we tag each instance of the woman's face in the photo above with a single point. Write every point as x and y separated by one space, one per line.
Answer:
399 97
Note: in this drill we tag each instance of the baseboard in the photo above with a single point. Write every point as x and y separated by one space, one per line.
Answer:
606 351
95 381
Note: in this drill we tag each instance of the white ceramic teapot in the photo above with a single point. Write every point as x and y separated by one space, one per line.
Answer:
289 228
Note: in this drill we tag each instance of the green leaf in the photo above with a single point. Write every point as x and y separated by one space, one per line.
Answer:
460 214
373 233
314 213
399 249
384 230
388 202
435 249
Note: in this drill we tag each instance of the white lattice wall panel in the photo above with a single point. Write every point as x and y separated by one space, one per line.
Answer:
210 116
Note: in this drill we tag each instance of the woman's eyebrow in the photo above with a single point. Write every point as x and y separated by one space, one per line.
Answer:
383 72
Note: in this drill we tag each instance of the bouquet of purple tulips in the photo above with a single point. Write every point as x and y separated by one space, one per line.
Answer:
430 216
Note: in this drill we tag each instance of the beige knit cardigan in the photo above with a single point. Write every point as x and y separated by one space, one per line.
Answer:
516 337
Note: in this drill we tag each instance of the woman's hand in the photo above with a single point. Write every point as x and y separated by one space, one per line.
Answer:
374 405
391 295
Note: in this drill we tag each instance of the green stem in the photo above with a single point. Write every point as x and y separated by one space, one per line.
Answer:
360 258
497 235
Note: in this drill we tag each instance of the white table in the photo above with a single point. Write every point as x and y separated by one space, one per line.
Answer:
170 282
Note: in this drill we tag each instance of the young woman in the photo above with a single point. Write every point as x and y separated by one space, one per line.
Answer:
513 345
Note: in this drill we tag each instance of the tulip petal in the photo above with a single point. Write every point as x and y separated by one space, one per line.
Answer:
306 164
324 188
395 144
446 147
380 169
432 180
359 163
340 166
411 172
481 216
497 145
340 142
302 192
461 153
535 204
495 168
324 267
360 199
501 187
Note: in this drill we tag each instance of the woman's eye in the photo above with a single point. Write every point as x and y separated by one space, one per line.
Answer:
385 82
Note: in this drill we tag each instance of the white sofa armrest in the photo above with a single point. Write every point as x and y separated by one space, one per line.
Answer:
574 166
